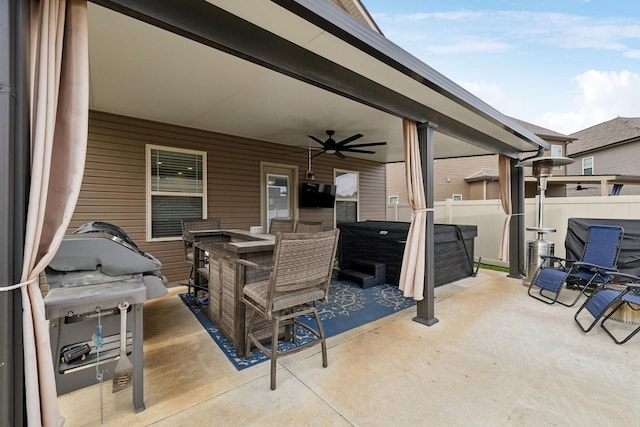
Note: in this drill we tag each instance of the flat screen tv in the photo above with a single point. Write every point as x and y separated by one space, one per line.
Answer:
317 195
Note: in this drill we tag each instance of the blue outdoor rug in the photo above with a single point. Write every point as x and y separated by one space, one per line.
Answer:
349 306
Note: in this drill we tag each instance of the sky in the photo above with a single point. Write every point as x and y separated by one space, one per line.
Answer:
565 65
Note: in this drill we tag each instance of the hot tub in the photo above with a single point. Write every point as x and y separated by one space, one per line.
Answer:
384 241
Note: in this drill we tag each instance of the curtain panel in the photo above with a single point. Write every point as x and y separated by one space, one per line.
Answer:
413 260
504 173
59 100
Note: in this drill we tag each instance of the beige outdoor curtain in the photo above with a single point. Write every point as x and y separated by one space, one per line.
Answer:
59 90
413 260
504 173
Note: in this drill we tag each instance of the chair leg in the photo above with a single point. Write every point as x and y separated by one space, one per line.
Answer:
628 337
590 305
247 332
545 299
274 351
323 340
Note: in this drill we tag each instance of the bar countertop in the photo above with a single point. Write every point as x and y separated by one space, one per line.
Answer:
240 241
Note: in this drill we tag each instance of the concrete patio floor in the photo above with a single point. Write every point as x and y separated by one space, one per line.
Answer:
496 357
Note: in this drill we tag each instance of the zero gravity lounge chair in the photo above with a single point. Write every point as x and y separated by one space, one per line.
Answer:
609 302
599 259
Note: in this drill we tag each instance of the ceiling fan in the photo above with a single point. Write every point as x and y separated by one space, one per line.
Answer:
580 187
330 146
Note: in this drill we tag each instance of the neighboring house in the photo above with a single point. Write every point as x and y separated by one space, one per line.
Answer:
606 155
476 178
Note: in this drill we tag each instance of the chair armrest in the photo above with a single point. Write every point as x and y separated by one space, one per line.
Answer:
631 277
556 259
254 265
595 266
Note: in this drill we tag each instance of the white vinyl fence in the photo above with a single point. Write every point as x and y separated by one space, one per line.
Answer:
489 217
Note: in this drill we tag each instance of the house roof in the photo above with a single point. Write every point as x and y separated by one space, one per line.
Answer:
356 9
616 131
543 132
483 175
199 64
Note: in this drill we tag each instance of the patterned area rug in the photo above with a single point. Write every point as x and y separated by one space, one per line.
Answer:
349 306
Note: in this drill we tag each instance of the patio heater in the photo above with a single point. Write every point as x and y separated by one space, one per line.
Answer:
541 169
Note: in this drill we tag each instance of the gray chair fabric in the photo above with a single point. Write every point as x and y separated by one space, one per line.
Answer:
299 277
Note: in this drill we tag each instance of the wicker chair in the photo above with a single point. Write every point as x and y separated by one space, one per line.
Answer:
189 225
279 225
309 226
300 277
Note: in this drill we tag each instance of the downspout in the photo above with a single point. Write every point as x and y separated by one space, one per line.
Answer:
426 307
14 167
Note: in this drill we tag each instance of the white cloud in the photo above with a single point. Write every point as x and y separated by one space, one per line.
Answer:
476 45
463 15
513 28
632 53
603 95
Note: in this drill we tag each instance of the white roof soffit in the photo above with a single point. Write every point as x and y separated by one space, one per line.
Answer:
143 71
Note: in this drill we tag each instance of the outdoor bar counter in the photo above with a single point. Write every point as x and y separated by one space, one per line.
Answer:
226 277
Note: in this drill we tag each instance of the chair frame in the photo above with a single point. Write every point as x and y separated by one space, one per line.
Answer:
571 268
308 226
599 303
285 300
630 297
279 225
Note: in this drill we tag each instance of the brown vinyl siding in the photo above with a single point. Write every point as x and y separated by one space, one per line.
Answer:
615 160
448 176
114 187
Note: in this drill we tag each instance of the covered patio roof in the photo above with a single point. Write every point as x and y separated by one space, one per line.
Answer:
278 71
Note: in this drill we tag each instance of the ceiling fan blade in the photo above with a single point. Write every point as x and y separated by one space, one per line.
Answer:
349 150
369 144
339 154
348 140
318 153
317 140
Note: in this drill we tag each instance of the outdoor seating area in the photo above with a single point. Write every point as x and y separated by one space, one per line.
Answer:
480 365
599 259
613 297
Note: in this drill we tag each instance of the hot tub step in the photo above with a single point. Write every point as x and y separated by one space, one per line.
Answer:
365 273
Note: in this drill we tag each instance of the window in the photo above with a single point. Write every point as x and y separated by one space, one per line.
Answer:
176 189
456 197
346 196
587 166
556 151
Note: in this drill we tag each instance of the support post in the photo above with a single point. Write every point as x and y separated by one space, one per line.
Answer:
426 307
516 227
14 184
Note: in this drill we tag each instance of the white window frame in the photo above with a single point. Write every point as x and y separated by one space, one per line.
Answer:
456 197
584 160
556 151
150 193
356 198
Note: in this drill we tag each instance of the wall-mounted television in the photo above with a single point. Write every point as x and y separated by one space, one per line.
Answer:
317 195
